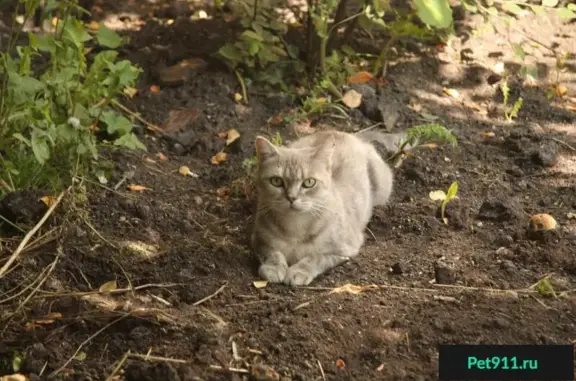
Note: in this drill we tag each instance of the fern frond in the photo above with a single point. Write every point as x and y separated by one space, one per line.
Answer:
432 132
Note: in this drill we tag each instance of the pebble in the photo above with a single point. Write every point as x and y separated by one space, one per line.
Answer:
443 274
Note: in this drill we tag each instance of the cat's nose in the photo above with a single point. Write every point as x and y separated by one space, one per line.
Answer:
291 199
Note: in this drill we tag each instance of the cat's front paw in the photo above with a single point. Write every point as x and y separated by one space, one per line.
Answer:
273 273
298 276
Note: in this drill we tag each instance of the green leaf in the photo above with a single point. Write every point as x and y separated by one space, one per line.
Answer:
40 148
130 141
107 37
571 7
538 10
566 14
544 287
74 32
434 13
17 361
519 51
253 47
20 137
452 191
51 5
512 8
116 123
265 55
126 72
231 53
251 35
28 85
549 3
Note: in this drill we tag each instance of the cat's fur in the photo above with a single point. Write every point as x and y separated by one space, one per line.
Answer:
322 226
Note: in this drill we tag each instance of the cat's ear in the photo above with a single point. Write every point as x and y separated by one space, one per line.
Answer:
326 150
264 149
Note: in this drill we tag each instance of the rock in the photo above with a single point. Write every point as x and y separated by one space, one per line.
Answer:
396 269
443 274
545 156
178 149
504 240
497 210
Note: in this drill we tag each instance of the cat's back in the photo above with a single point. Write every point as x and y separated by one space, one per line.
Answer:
345 143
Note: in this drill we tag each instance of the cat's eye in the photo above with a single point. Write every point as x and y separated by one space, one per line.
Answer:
276 181
309 183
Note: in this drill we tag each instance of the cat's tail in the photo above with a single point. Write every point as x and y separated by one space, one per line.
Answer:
391 141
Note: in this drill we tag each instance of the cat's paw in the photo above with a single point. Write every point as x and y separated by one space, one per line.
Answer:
297 276
273 273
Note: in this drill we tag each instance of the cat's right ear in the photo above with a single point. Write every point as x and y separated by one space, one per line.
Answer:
264 149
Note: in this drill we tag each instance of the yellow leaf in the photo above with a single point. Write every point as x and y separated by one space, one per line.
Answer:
451 92
352 99
130 92
81 356
437 195
93 25
321 100
237 97
218 158
488 134
231 136
184 170
48 200
352 289
137 188
14 377
108 286
360 77
561 90
260 283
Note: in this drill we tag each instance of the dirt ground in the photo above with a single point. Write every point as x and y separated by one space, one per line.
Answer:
185 239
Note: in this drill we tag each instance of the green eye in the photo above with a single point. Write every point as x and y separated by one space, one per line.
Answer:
276 181
309 183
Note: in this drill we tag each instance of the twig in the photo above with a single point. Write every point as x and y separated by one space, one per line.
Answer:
210 296
233 370
54 373
148 357
48 294
368 128
321 370
31 233
564 144
118 366
150 126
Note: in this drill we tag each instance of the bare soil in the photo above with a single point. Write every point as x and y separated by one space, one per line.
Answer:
434 279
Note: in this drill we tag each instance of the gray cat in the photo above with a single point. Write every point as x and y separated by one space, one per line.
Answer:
315 198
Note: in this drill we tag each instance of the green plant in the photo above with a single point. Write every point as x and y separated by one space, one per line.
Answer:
428 133
50 117
510 112
445 197
544 287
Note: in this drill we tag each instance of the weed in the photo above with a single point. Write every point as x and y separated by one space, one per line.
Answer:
450 195
49 120
510 112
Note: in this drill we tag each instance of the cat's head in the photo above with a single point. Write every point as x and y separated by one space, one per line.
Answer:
294 179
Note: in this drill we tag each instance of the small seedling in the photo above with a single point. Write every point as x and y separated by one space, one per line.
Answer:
423 135
510 112
544 287
451 194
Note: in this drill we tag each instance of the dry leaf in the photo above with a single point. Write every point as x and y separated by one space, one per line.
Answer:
487 134
352 289
499 68
48 200
429 145
352 99
222 134
561 90
180 119
237 97
155 89
340 364
49 319
93 25
276 119
219 157
185 171
360 77
161 156
231 136
451 92
260 283
130 92
542 222
180 72
28 327
303 127
149 160
137 188
108 286
437 195
14 377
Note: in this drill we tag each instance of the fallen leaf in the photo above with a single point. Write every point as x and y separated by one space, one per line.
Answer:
487 134
28 327
179 119
14 377
202 14
130 92
137 188
380 367
451 92
48 200
81 356
222 134
161 156
571 216
499 68
108 286
352 289
231 136
416 107
49 319
542 221
155 89
352 99
219 157
260 283
429 145
237 97
437 195
340 364
185 171
561 90
303 126
360 77
180 72
149 160
276 119
94 25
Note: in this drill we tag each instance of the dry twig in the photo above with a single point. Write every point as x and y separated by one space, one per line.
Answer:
210 296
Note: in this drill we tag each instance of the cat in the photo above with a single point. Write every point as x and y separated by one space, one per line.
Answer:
315 198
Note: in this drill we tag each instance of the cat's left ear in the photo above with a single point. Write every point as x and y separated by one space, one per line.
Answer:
264 149
326 150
